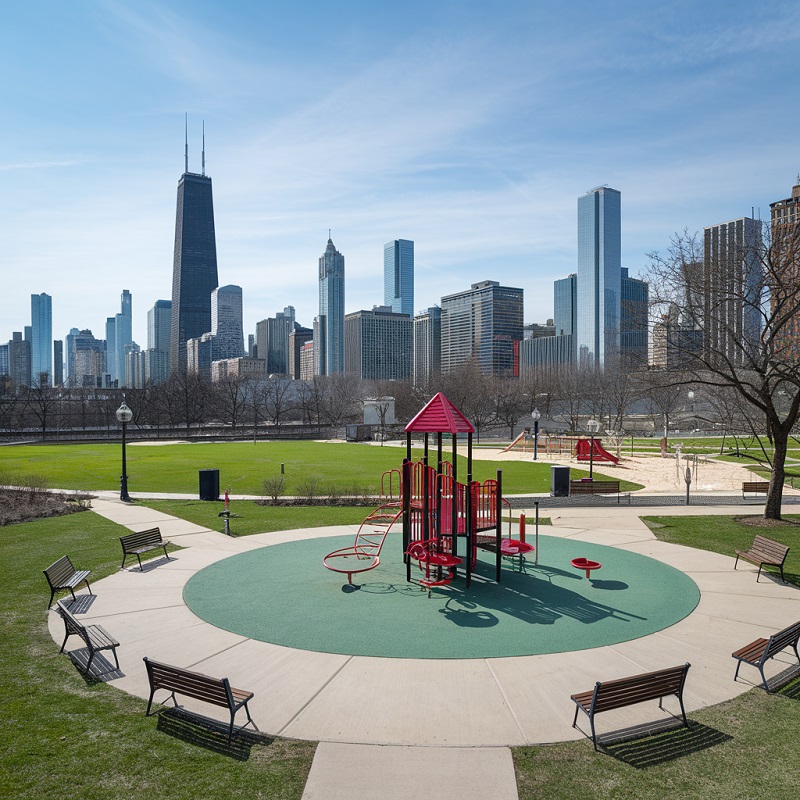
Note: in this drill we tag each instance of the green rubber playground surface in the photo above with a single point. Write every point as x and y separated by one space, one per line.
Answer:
283 594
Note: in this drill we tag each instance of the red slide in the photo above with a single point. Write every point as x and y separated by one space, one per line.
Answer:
600 453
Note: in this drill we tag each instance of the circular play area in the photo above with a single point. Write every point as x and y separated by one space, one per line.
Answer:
282 594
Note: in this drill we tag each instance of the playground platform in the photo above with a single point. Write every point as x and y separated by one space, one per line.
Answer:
448 720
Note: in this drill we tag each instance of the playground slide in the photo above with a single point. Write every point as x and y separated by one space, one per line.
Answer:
516 441
583 446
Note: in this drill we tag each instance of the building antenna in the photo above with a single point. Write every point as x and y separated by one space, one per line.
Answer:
204 147
186 145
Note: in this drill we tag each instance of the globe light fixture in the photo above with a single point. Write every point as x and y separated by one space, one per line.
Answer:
124 415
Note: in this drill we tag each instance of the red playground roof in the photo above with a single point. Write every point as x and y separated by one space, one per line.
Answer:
440 416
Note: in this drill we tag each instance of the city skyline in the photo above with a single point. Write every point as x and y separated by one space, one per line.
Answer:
480 171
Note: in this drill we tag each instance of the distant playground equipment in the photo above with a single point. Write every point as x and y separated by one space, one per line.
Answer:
586 449
548 443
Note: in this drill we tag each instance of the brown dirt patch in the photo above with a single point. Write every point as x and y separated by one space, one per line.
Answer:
762 522
24 505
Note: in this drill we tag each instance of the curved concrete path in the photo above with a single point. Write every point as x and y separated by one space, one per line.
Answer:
466 709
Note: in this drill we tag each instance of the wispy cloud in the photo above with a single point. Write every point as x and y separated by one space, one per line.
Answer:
38 165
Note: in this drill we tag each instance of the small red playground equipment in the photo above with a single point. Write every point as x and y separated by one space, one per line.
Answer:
365 554
592 450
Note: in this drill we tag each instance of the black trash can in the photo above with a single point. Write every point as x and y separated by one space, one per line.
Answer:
559 481
209 484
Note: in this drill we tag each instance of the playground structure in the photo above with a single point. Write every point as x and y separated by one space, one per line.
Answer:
550 444
438 511
592 450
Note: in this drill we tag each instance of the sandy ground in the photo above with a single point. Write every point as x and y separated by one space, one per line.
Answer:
656 473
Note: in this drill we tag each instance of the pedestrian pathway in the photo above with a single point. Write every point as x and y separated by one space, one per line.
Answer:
387 725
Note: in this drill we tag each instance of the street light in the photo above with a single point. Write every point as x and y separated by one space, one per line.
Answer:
593 425
124 415
535 416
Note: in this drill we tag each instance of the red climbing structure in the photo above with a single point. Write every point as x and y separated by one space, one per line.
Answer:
439 511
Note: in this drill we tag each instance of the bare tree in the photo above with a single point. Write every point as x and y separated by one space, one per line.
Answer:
746 305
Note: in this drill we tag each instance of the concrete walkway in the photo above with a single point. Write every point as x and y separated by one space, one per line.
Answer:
386 725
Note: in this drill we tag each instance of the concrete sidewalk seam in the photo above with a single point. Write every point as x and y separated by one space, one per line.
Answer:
509 706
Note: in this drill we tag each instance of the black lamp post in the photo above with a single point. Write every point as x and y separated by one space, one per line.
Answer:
593 425
536 416
124 415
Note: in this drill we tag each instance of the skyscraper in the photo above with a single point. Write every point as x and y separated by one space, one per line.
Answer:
41 339
123 337
427 346
329 325
226 323
194 265
599 276
159 322
482 323
398 276
379 344
634 308
732 275
785 224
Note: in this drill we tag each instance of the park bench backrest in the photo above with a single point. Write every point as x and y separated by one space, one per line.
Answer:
594 486
141 539
70 623
788 636
773 550
193 684
59 572
638 688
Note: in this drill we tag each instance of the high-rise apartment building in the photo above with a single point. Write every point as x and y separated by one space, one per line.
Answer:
599 276
86 359
298 338
329 325
110 369
19 360
378 344
194 265
58 362
398 276
272 341
41 339
785 229
427 346
226 323
732 276
634 308
156 358
482 323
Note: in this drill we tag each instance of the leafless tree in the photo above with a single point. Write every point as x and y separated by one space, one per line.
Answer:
748 309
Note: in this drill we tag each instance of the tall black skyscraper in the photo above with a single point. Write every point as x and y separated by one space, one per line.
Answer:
194 266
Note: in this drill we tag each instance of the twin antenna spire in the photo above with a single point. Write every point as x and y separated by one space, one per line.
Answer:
186 146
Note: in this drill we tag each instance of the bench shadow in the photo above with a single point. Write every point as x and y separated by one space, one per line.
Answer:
81 604
599 583
102 670
210 734
646 746
149 565
792 688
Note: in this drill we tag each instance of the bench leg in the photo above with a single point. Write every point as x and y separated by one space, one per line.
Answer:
736 562
138 556
736 674
758 574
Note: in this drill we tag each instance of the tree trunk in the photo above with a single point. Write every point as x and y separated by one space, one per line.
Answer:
780 439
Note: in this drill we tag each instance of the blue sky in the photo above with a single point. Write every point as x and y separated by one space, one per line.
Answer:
470 127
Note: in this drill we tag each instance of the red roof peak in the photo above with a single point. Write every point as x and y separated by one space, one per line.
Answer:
439 416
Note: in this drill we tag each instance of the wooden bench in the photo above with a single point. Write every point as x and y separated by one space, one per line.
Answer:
217 691
62 575
764 552
608 695
134 544
94 637
598 487
754 488
757 653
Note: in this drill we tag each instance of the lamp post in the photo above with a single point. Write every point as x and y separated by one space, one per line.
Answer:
535 416
593 425
124 415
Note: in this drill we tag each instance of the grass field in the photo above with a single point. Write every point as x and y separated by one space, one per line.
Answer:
349 468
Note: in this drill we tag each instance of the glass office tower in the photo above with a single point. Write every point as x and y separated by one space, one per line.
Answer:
398 276
599 276
194 266
41 339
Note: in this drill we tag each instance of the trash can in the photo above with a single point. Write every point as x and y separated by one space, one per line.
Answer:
209 484
559 481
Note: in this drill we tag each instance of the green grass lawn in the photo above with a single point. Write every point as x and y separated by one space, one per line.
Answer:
64 737
243 466
724 534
